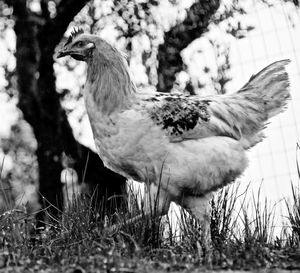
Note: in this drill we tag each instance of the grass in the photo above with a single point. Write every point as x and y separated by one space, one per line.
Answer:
79 241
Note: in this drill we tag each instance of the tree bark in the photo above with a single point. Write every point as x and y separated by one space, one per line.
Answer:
179 37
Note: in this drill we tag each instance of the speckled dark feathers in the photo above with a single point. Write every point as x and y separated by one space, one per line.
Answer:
178 113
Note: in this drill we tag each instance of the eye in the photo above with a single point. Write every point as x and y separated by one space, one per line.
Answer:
79 43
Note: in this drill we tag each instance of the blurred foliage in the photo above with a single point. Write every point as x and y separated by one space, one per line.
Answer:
21 179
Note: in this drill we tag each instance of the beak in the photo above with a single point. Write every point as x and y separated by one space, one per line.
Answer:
62 53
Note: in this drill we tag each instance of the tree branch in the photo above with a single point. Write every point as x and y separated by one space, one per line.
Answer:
45 10
179 37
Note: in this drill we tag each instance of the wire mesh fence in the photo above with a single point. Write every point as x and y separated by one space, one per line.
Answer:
275 36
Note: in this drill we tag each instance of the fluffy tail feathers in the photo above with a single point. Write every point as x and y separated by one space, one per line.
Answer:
264 96
243 115
271 85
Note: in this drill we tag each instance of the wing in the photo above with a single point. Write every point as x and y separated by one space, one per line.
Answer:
184 117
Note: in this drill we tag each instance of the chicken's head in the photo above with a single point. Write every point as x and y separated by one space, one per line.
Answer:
82 46
79 46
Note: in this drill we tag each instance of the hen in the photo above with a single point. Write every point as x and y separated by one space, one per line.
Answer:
184 146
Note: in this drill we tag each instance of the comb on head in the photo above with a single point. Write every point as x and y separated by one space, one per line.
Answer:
75 32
